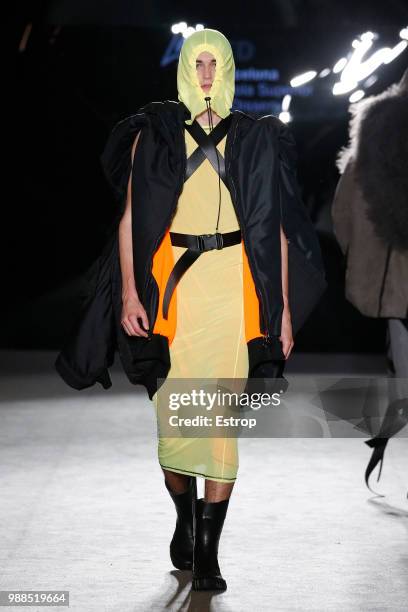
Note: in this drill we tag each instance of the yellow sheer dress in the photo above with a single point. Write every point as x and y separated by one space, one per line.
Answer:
210 334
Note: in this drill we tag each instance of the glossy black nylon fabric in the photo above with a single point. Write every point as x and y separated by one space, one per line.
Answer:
260 168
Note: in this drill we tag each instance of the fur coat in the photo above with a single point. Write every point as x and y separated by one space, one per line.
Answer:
370 208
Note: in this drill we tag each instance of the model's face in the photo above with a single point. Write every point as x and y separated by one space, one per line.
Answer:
205 65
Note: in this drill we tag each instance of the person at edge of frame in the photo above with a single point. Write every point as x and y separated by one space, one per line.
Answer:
370 222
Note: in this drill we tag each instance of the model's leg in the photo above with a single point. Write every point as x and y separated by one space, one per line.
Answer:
178 483
217 491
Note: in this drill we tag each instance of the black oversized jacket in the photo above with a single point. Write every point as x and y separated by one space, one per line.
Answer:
260 160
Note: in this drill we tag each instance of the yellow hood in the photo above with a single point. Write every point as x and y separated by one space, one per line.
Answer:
223 88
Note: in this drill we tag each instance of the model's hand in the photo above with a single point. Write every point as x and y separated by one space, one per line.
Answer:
286 336
132 311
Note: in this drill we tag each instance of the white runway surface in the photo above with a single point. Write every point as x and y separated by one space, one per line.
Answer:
84 509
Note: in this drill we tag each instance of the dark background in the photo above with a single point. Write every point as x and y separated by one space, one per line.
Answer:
77 67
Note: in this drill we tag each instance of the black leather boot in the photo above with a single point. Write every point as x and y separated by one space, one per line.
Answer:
208 522
182 544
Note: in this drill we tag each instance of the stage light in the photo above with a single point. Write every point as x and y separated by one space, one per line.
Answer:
324 73
343 87
286 102
190 30
303 78
357 95
395 51
186 31
358 68
368 36
404 33
178 28
373 78
352 70
285 117
339 65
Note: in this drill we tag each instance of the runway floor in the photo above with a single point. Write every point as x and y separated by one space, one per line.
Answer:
84 508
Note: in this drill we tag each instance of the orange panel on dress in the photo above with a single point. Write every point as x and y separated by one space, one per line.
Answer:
163 263
251 301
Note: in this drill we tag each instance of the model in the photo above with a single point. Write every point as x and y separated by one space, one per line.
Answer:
197 274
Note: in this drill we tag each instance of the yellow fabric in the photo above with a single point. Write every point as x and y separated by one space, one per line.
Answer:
210 336
223 88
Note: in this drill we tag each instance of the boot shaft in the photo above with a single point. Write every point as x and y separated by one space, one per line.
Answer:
209 519
184 502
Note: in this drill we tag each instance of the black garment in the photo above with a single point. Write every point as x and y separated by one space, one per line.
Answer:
260 162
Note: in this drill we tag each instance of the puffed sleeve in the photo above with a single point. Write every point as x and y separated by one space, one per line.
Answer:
287 148
116 158
293 209
307 281
296 220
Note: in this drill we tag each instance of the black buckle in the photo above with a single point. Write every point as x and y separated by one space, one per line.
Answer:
208 242
219 240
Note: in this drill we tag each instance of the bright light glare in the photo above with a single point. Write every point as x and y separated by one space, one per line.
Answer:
181 28
367 36
395 51
343 87
178 28
404 33
324 73
357 69
286 102
303 78
188 32
285 117
339 65
357 95
373 78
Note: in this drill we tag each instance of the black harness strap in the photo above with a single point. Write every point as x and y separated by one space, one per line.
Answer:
181 266
197 244
207 144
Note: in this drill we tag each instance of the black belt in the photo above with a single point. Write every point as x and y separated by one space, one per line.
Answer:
195 244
